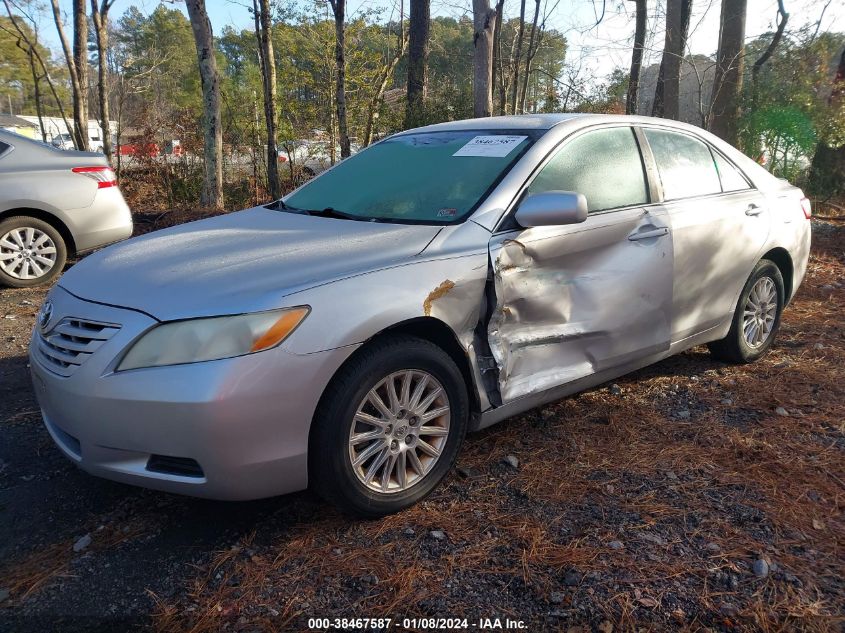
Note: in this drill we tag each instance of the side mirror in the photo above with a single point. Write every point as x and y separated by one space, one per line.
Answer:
552 208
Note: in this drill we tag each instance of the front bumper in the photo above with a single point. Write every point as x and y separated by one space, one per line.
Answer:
244 421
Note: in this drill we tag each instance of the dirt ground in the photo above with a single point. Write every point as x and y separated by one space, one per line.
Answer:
691 495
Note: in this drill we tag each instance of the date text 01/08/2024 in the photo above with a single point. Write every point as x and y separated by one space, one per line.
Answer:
415 624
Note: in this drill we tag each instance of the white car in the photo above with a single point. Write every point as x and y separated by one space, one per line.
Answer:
65 141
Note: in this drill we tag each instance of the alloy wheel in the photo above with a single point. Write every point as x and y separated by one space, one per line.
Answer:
27 253
399 431
759 312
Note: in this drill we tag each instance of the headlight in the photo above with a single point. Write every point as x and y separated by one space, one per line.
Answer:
212 338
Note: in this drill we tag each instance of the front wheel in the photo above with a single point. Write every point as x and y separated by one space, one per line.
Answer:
757 317
389 427
31 252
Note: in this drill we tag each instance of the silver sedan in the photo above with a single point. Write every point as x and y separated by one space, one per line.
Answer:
53 204
444 279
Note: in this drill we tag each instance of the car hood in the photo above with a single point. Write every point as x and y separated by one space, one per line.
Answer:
240 262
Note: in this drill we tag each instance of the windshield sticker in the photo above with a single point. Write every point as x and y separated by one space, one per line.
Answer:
447 213
494 146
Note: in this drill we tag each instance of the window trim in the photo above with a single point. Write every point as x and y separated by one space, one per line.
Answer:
741 173
667 128
9 149
506 223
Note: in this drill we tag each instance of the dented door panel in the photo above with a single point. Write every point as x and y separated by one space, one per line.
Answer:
574 300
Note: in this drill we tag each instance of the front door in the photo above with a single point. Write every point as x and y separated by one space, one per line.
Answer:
575 300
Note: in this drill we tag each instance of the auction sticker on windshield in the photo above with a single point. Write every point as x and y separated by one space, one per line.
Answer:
494 146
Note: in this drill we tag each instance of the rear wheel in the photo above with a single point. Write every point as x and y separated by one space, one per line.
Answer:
389 427
756 319
32 252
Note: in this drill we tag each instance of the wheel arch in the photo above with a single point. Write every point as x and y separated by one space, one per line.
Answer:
781 258
44 216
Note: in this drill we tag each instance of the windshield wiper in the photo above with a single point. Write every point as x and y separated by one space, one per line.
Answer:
328 212
331 212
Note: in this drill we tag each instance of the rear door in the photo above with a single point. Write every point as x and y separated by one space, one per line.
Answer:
578 299
719 226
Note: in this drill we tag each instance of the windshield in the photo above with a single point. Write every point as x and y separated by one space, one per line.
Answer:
430 178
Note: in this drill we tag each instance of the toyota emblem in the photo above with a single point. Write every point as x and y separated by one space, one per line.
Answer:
45 315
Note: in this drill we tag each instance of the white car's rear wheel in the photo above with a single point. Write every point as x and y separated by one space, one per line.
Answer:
31 252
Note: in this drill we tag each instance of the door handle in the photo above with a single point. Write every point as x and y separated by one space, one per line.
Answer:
645 235
753 209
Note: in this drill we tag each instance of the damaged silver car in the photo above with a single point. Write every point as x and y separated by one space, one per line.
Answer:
444 279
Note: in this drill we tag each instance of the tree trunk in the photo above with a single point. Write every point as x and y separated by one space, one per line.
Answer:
667 91
339 9
530 56
727 82
517 56
637 58
77 63
100 16
496 79
419 28
827 171
267 61
212 194
484 21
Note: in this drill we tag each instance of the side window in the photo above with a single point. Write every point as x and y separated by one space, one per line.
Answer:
732 179
685 165
604 165
3 148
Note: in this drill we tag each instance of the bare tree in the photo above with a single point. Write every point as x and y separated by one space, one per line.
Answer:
339 10
484 23
529 57
77 62
384 77
667 91
267 64
212 194
728 79
637 57
783 16
498 72
419 28
31 48
517 56
100 17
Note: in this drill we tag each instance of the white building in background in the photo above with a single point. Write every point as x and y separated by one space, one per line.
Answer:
55 126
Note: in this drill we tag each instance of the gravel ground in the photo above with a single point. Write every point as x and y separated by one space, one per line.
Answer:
689 495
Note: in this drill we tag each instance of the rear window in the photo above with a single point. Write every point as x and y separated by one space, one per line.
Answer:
685 165
732 179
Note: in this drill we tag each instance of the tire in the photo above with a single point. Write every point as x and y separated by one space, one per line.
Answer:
737 346
32 270
331 452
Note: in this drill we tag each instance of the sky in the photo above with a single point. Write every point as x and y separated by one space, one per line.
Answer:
596 46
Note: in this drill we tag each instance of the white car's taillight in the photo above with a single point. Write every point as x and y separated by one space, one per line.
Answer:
806 207
104 176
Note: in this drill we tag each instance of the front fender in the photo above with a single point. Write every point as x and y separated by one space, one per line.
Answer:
352 310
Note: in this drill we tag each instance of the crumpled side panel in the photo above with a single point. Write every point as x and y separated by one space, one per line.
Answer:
574 303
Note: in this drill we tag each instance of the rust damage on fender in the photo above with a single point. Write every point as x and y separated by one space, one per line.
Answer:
436 294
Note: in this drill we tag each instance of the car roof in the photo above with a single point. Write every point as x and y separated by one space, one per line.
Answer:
517 122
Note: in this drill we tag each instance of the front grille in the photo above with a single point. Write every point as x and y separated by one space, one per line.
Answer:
71 343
